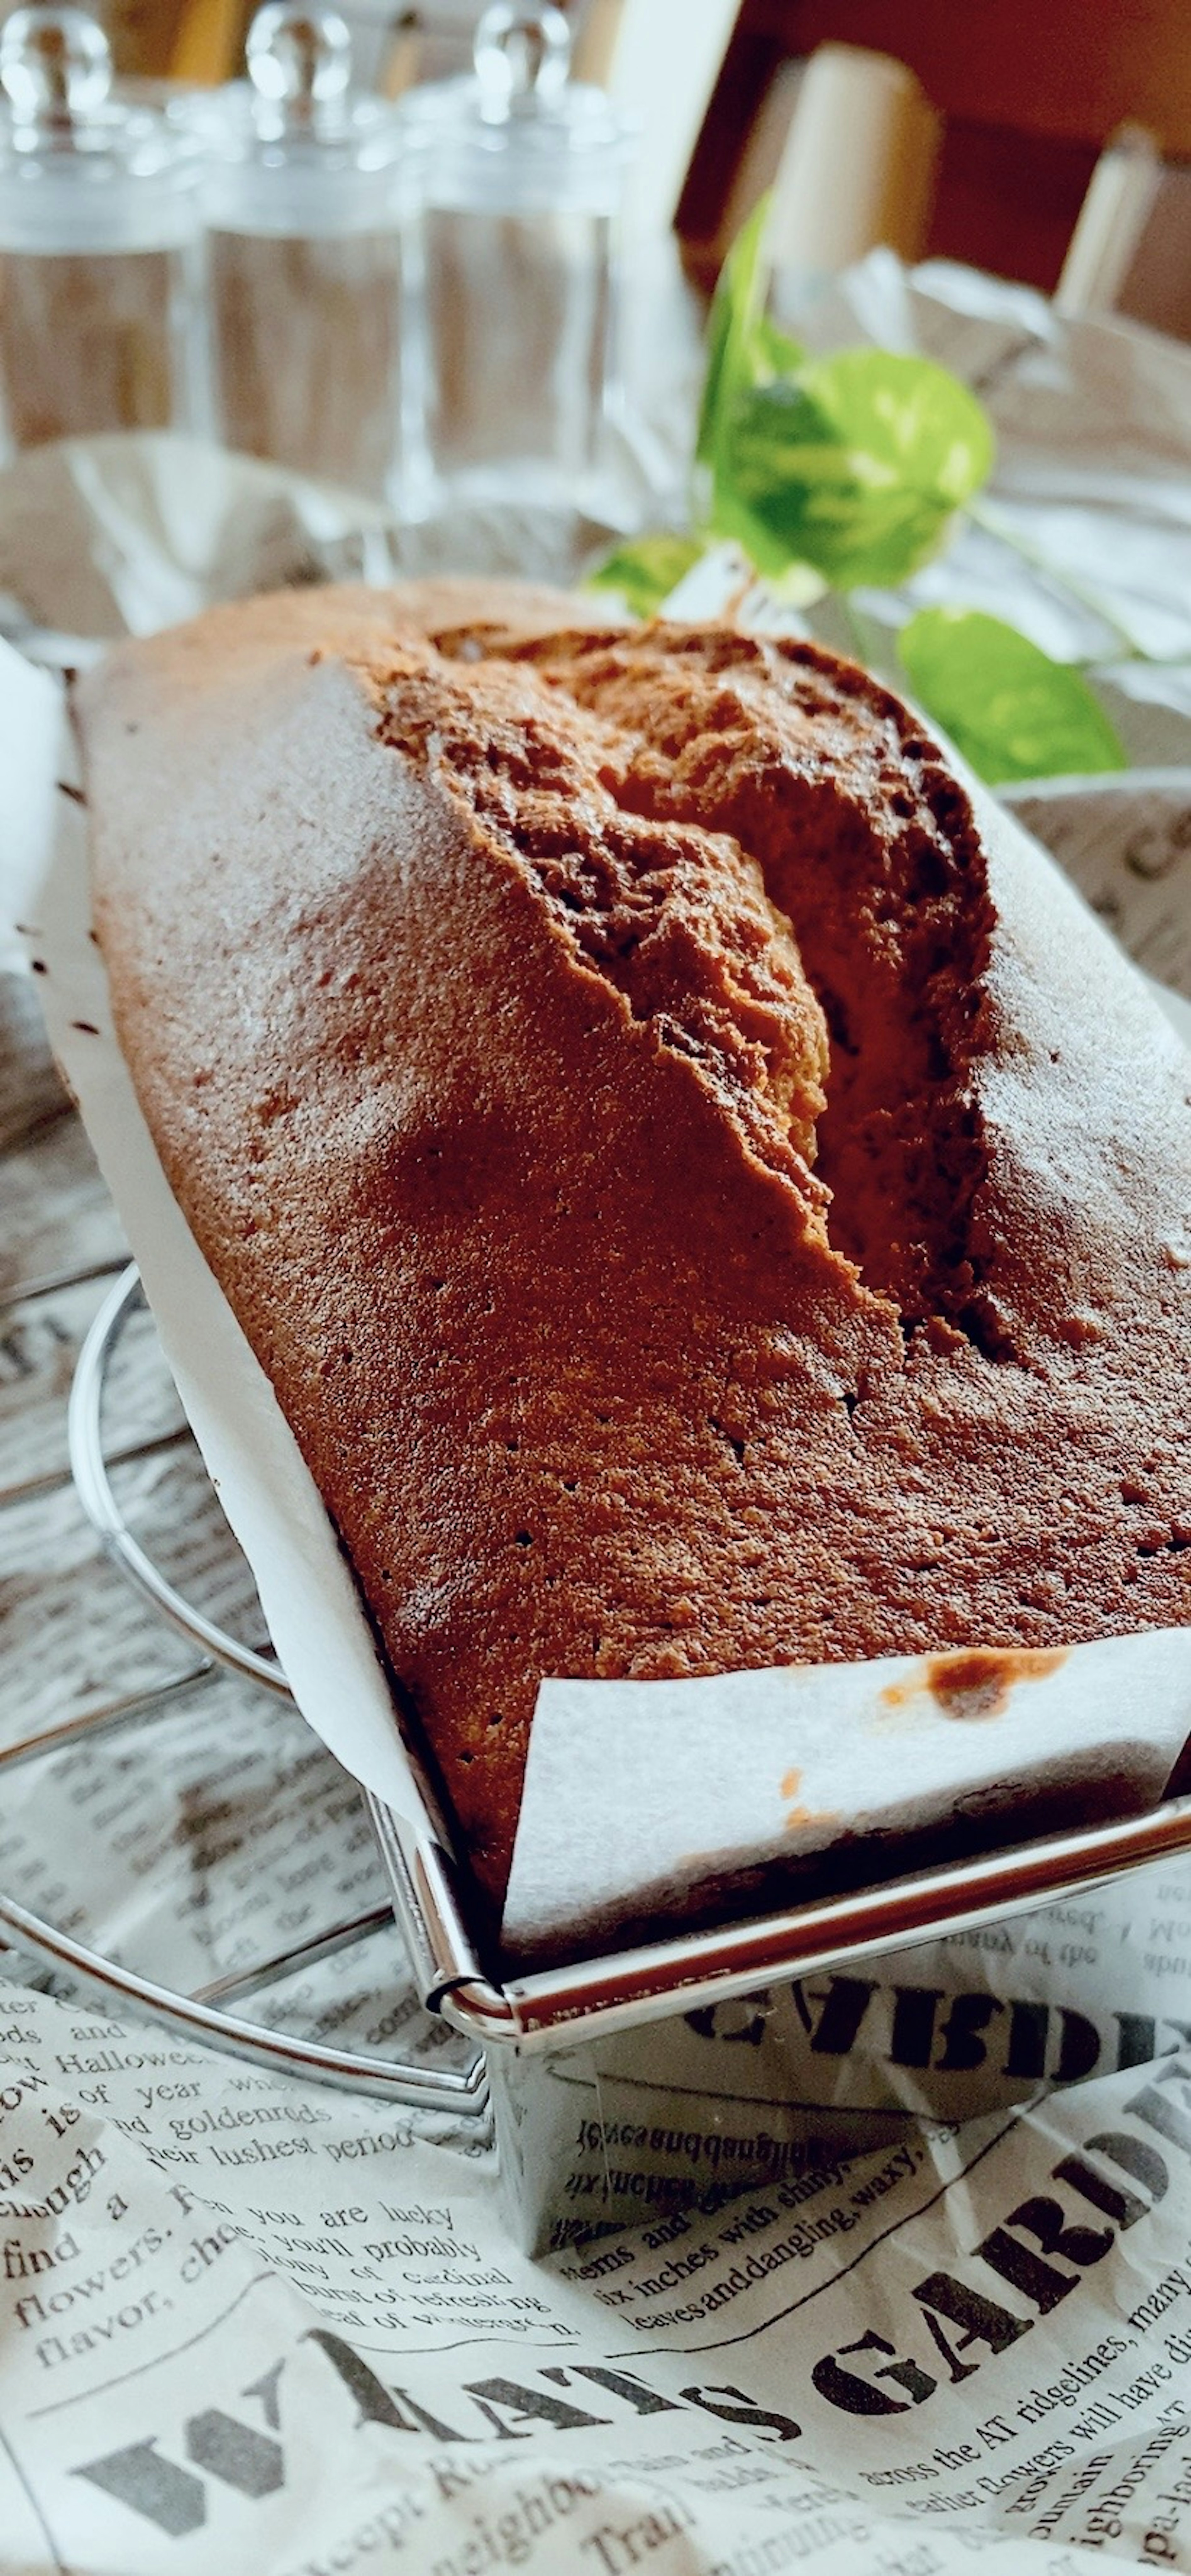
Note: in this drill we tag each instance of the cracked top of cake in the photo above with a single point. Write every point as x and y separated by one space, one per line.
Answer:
703 1201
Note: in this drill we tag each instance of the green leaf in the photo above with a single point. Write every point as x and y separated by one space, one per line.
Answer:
855 464
645 572
1009 709
736 313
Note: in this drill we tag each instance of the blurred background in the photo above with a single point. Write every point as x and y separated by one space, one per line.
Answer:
458 252
1028 92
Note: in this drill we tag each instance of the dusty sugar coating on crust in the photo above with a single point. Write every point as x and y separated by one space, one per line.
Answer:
504 1006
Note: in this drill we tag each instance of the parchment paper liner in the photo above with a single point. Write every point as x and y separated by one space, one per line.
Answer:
640 1797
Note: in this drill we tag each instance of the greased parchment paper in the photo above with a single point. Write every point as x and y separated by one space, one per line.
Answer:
250 2325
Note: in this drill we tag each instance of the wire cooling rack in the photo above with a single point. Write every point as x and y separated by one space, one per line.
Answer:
604 1994
208 2014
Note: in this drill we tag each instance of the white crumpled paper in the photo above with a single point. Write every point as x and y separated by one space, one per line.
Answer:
1092 480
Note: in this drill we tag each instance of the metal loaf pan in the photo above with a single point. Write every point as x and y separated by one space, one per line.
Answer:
619 2083
563 2007
636 2086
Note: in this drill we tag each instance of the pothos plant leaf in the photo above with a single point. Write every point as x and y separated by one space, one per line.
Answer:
645 572
854 463
1009 709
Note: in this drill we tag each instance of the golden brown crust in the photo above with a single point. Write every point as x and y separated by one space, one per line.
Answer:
476 971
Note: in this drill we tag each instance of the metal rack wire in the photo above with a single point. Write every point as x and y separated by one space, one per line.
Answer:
204 2014
601 1993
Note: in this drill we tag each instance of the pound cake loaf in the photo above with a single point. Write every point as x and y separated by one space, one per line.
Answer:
703 1200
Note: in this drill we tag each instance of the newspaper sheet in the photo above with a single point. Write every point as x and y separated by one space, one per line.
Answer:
251 2324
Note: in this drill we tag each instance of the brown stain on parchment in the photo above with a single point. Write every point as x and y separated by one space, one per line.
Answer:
977 1682
799 1814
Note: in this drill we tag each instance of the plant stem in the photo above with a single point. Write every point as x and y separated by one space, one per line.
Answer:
855 626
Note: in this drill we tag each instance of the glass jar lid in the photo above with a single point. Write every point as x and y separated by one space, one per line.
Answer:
294 149
82 169
516 135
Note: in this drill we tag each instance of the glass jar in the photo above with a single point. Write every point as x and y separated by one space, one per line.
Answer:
101 267
302 205
516 181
